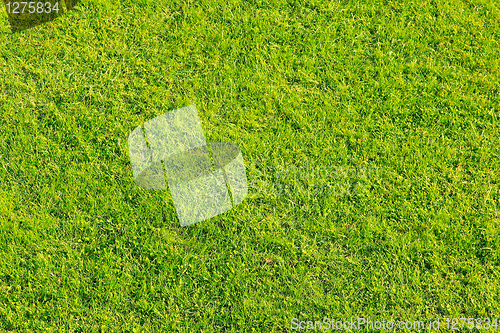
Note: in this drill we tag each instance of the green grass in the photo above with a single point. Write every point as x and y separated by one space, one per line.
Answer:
409 88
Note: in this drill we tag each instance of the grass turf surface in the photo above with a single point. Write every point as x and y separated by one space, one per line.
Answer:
407 88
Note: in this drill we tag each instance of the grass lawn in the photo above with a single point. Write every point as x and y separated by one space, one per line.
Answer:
370 134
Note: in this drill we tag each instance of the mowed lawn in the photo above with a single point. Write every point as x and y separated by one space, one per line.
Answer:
370 134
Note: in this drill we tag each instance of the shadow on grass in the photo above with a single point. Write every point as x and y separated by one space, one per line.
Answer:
23 15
